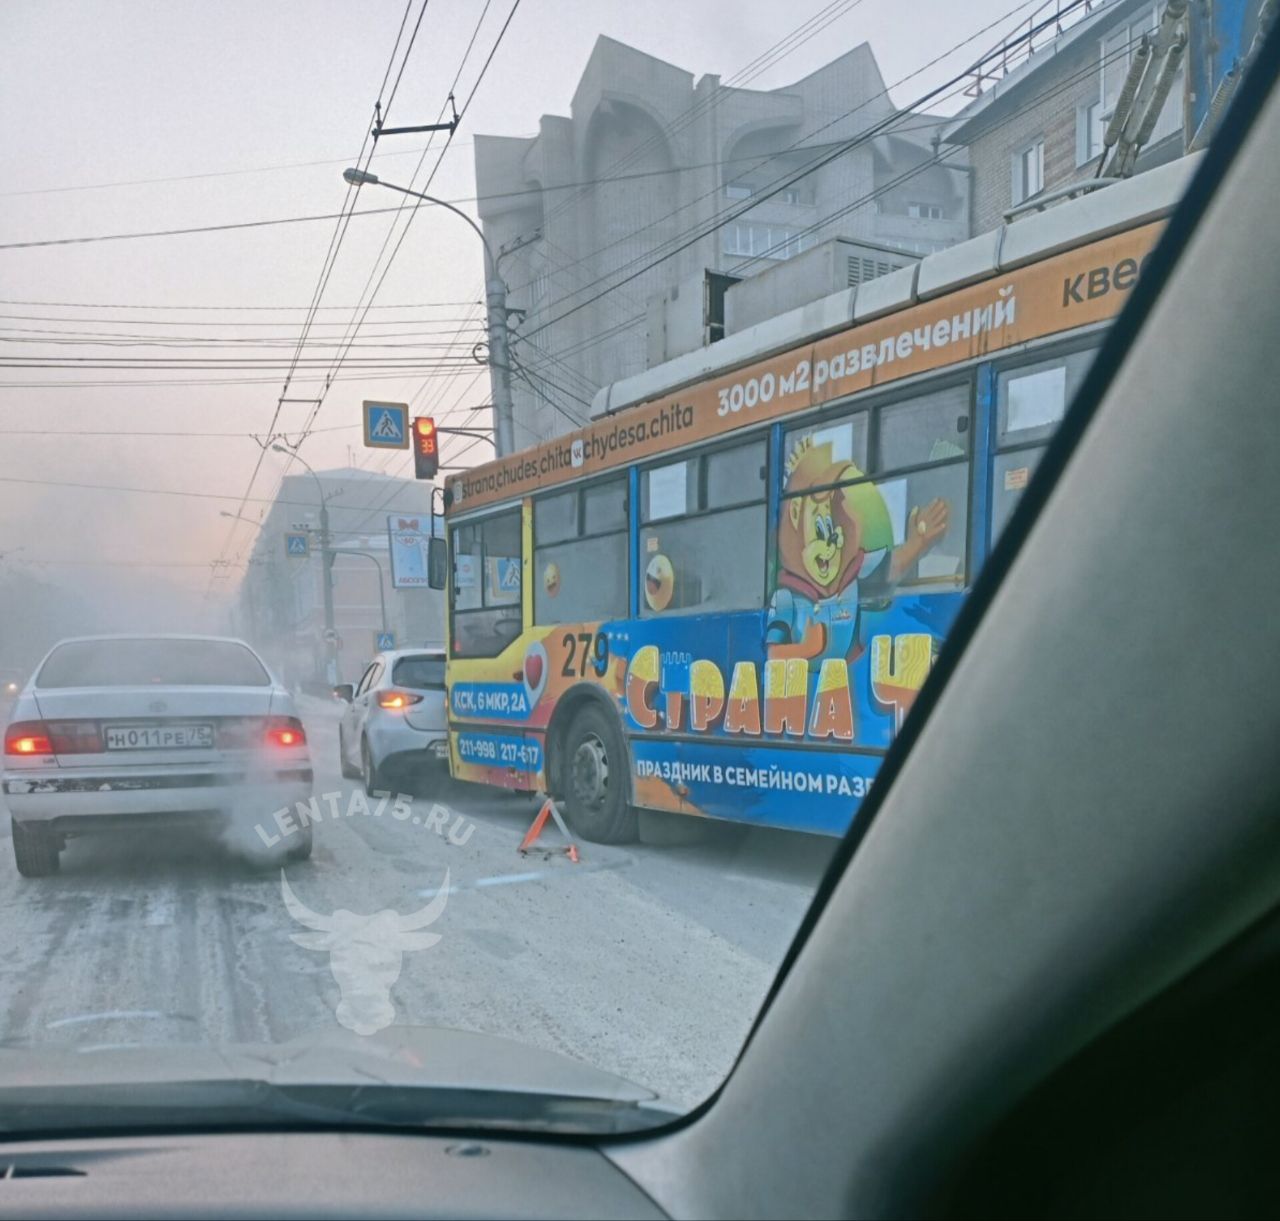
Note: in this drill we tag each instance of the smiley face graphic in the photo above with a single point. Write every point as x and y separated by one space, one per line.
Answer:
659 583
551 580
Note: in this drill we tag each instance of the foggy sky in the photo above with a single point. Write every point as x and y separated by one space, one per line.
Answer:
105 91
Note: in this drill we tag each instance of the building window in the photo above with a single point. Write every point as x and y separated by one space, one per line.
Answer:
792 195
1090 127
754 240
1028 172
924 211
702 540
580 554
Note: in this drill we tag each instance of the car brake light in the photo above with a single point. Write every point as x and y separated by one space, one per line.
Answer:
27 738
397 699
285 731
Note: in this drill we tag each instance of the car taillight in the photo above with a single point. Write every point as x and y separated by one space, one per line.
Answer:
27 738
397 699
75 737
285 731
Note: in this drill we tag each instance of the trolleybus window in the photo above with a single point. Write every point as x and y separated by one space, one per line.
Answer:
1030 401
580 554
702 542
486 585
920 514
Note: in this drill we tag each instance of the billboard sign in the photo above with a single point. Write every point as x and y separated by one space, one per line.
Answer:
407 537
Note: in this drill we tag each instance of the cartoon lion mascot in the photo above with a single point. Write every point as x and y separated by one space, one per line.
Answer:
835 549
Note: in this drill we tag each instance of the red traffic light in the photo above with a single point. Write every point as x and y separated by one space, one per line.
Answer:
426 448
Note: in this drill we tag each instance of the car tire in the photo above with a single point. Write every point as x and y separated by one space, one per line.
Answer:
348 772
370 772
595 779
36 850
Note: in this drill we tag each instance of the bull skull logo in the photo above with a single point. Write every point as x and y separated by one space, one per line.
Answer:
365 952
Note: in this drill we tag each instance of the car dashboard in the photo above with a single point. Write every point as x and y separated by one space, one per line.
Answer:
312 1174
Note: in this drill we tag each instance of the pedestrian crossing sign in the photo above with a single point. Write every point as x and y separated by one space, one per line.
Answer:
297 546
386 425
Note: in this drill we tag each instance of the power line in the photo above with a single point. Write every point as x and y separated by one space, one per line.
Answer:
333 375
213 308
179 492
682 241
188 229
330 261
72 434
824 154
101 384
744 75
925 165
256 169
461 113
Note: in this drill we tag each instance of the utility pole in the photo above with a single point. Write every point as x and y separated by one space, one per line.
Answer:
326 568
326 571
499 356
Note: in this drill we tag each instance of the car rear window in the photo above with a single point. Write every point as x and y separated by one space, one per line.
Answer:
145 663
422 672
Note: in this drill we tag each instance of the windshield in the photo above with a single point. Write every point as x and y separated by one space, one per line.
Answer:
129 663
489 505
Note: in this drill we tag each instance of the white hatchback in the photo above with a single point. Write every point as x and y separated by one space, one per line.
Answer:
118 731
396 722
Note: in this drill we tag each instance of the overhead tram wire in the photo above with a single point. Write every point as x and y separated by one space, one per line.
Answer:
236 308
254 169
461 113
330 260
183 493
228 226
333 375
696 233
823 152
363 307
861 201
766 59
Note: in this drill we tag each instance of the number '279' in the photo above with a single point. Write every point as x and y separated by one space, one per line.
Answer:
585 649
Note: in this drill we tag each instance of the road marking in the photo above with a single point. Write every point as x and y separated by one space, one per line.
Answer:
533 875
109 1015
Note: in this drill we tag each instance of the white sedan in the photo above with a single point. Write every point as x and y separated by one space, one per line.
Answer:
116 731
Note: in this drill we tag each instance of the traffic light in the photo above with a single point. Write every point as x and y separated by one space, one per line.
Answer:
426 448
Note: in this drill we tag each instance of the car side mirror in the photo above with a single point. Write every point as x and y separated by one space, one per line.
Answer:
345 692
437 563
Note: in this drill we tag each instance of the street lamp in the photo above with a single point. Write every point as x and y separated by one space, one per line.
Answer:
326 578
495 293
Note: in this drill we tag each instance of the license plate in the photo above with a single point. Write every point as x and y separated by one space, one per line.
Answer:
158 737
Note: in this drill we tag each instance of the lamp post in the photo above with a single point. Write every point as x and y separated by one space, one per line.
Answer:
326 577
495 295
